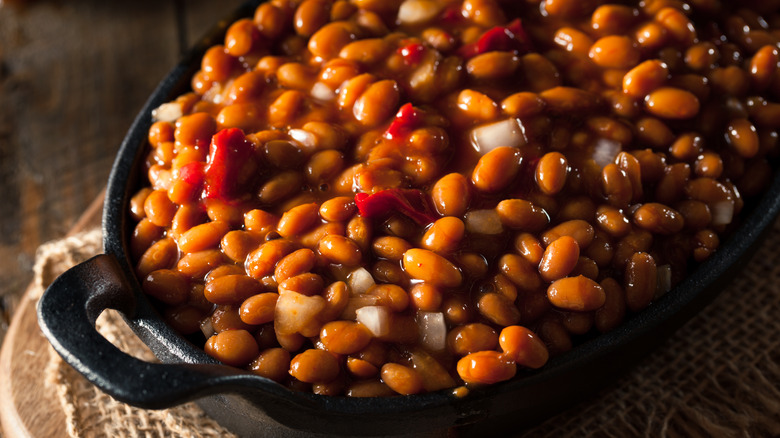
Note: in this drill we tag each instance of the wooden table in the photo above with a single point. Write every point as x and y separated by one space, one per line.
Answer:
73 75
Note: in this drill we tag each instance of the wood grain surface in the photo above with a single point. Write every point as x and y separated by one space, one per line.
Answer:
73 75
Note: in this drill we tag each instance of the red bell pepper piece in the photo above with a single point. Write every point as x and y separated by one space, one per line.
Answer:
229 153
406 120
194 175
500 38
412 53
410 202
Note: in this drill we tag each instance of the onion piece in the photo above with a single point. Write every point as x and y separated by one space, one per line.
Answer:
356 303
304 137
605 151
417 11
483 222
322 91
207 328
663 280
297 313
509 132
722 212
433 330
359 281
167 112
375 318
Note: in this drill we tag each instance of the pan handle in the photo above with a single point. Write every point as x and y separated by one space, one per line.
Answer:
67 312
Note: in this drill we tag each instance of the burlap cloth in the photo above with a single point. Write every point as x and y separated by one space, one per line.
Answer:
717 376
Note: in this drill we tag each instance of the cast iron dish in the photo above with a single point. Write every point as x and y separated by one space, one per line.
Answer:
251 405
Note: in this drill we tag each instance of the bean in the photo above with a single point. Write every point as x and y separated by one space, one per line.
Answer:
431 268
658 218
426 297
367 51
645 78
262 261
402 379
521 272
231 289
613 221
297 262
523 346
640 281
160 255
551 172
470 338
377 103
391 296
580 230
273 363
527 245
338 209
159 209
313 366
611 314
492 65
579 294
614 51
559 258
308 284
166 285
486 367
743 138
496 169
232 347
258 309
476 105
498 309
450 194
344 337
444 235
298 219
340 250
520 214
672 103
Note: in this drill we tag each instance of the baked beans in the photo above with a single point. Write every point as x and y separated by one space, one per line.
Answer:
374 198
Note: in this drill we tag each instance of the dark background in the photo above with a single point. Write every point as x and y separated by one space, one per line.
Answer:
73 75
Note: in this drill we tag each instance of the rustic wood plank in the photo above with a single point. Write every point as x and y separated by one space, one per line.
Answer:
72 77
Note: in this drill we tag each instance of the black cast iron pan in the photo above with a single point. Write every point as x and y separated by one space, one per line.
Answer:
254 406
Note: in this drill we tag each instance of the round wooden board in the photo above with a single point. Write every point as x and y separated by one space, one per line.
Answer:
28 406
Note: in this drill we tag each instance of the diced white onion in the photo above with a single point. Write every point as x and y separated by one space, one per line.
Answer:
423 75
295 313
321 91
305 138
167 112
433 330
355 303
417 11
483 222
722 212
509 132
375 318
605 151
663 280
207 328
359 281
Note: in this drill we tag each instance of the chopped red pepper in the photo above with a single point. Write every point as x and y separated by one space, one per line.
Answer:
412 53
406 120
412 203
230 152
500 38
193 174
452 14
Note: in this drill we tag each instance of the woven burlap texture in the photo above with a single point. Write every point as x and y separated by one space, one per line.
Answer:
717 376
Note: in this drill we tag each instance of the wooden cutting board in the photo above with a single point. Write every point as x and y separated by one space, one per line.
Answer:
28 407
